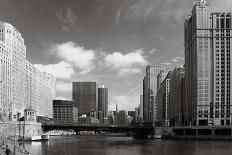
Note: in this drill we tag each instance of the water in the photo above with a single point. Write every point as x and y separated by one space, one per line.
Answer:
90 145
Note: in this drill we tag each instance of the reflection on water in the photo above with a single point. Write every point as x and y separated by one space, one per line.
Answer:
90 145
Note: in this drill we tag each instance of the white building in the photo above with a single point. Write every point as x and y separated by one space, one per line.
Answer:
14 77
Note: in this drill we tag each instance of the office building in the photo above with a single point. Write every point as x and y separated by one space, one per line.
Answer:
65 111
102 103
14 84
163 100
177 94
121 117
207 66
39 90
149 92
85 95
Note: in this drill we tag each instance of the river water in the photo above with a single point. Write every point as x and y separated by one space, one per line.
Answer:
90 145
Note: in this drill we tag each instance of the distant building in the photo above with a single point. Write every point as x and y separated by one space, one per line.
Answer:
149 92
102 103
140 109
121 117
163 101
65 111
84 119
177 94
85 95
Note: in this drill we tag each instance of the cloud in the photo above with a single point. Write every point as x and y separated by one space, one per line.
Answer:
67 17
60 70
126 71
64 86
177 59
128 102
117 60
152 51
117 17
61 98
166 63
77 55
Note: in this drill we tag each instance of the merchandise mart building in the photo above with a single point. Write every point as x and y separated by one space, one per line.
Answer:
21 84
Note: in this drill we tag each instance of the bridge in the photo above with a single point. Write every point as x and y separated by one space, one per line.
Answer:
137 129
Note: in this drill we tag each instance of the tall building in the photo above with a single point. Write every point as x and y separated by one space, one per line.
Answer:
220 112
65 111
140 109
207 63
177 97
102 103
163 100
14 74
198 57
149 92
85 95
39 90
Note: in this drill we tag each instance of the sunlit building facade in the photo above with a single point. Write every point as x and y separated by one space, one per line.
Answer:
149 92
13 76
208 66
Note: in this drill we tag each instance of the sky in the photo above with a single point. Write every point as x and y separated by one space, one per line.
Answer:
107 41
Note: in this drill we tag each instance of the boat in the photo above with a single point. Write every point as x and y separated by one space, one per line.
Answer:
40 138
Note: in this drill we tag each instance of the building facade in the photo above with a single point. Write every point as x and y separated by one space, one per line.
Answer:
13 77
163 100
149 92
208 67
85 95
39 90
177 97
102 103
65 111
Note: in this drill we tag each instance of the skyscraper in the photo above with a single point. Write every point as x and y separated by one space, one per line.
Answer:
198 57
102 103
208 66
149 92
163 100
177 97
85 95
21 84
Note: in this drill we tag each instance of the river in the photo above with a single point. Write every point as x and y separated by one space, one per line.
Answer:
95 145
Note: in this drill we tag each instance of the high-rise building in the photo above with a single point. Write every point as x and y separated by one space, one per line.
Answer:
198 58
85 95
163 100
140 109
102 103
177 94
208 67
149 92
14 84
39 90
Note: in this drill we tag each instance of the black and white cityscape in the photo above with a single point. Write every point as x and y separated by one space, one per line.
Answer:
107 77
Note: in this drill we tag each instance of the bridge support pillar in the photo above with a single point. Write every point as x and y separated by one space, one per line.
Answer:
213 132
196 132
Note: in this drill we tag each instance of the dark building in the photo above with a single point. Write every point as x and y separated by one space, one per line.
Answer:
102 103
65 111
85 96
121 117
133 115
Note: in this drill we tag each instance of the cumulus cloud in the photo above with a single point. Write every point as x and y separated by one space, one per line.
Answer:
177 59
152 51
60 70
67 17
117 60
126 71
166 63
77 55
61 98
64 86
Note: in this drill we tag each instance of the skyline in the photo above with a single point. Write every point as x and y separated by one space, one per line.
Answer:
104 41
